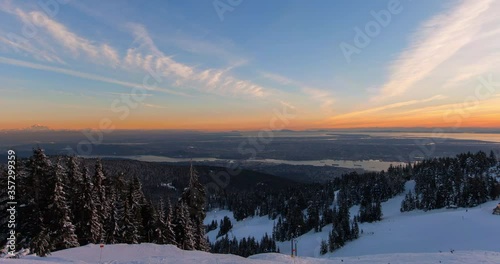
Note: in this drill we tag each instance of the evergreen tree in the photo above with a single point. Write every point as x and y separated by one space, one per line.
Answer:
313 217
161 224
112 226
73 181
99 204
40 181
133 222
194 198
129 231
86 213
149 221
117 226
225 226
170 237
184 230
96 226
323 248
377 211
40 244
62 229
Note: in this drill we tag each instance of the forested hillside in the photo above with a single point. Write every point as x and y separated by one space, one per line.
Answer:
68 201
162 180
465 181
64 205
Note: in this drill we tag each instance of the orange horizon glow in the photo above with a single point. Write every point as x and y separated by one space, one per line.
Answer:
415 122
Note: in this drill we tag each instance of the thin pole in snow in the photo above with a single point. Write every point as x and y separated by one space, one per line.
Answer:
100 255
295 247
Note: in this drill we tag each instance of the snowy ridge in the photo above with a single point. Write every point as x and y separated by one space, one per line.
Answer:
450 236
433 231
156 254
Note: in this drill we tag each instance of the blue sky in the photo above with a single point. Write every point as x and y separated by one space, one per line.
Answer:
231 64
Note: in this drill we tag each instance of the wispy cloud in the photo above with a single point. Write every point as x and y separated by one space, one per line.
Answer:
144 56
277 78
389 106
78 46
487 64
84 75
155 106
436 41
219 81
25 47
324 97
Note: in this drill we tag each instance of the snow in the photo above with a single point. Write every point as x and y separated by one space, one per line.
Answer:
410 232
410 237
256 226
170 186
156 254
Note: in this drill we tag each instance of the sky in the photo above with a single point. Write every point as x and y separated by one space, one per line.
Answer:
249 65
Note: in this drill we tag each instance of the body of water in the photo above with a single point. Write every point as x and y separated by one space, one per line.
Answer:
489 137
333 135
369 165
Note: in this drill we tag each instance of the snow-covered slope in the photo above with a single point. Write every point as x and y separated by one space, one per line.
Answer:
413 237
252 226
156 254
411 232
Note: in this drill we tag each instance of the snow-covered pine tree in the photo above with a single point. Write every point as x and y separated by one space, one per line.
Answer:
493 159
136 201
149 221
119 217
184 230
112 223
100 204
40 181
85 215
96 227
194 198
133 212
119 211
161 224
73 181
203 245
169 228
40 244
25 212
62 231
129 233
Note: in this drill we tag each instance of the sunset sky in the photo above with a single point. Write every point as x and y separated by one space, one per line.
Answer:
229 64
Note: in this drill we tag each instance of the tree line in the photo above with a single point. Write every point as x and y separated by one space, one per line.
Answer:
466 180
244 247
63 205
299 209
